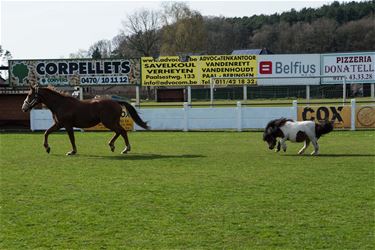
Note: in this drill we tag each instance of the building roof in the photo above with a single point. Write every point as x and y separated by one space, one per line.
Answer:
251 52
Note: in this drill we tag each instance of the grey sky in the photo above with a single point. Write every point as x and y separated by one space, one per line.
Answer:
54 29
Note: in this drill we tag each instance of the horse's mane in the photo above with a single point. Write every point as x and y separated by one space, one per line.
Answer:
56 91
273 127
277 123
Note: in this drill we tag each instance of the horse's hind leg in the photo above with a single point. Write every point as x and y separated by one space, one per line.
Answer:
111 143
306 144
127 144
119 131
316 147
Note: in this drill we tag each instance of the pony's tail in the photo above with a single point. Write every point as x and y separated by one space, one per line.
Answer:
134 115
323 128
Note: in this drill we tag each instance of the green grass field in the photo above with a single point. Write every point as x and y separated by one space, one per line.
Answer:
187 190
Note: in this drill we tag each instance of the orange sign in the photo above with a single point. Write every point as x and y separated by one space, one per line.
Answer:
365 117
339 114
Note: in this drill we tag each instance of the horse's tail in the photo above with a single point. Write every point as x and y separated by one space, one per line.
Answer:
323 128
134 115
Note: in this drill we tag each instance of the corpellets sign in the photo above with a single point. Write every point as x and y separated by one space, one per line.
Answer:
292 69
75 72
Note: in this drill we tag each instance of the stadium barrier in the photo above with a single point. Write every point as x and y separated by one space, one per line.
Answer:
347 115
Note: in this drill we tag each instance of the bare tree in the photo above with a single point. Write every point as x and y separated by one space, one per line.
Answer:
141 32
81 53
357 35
183 30
104 47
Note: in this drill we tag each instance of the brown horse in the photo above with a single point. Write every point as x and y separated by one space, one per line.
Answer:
69 112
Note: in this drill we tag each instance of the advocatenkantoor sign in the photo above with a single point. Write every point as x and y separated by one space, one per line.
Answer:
75 72
198 70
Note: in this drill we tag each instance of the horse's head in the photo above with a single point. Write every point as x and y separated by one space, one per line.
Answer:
272 131
32 99
270 137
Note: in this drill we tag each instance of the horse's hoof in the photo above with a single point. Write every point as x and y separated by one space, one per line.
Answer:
112 148
124 151
71 153
48 150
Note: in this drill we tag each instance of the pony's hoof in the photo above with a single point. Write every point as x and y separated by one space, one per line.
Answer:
112 148
71 153
126 150
48 150
314 153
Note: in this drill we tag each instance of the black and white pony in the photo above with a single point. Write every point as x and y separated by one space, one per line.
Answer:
287 129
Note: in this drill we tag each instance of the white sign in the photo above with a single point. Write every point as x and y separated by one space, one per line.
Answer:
302 69
356 67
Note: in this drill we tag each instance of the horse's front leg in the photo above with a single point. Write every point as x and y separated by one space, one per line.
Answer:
278 147
72 141
54 128
283 143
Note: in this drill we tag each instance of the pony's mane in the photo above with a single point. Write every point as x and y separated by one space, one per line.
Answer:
277 123
273 127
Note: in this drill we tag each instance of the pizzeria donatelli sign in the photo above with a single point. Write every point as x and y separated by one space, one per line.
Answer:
356 67
75 72
198 70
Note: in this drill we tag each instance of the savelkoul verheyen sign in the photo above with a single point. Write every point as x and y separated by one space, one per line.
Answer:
75 72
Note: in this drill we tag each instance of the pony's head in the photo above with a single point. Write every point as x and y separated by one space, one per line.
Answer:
270 137
272 131
32 98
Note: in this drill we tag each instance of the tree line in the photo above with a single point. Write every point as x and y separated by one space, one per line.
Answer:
179 30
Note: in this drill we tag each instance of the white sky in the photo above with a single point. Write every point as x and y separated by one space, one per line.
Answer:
54 29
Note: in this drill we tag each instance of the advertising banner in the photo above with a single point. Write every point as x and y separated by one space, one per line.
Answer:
356 67
169 71
293 66
228 66
339 114
198 70
74 72
365 116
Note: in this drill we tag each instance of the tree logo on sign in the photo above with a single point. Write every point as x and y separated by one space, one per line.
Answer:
21 71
